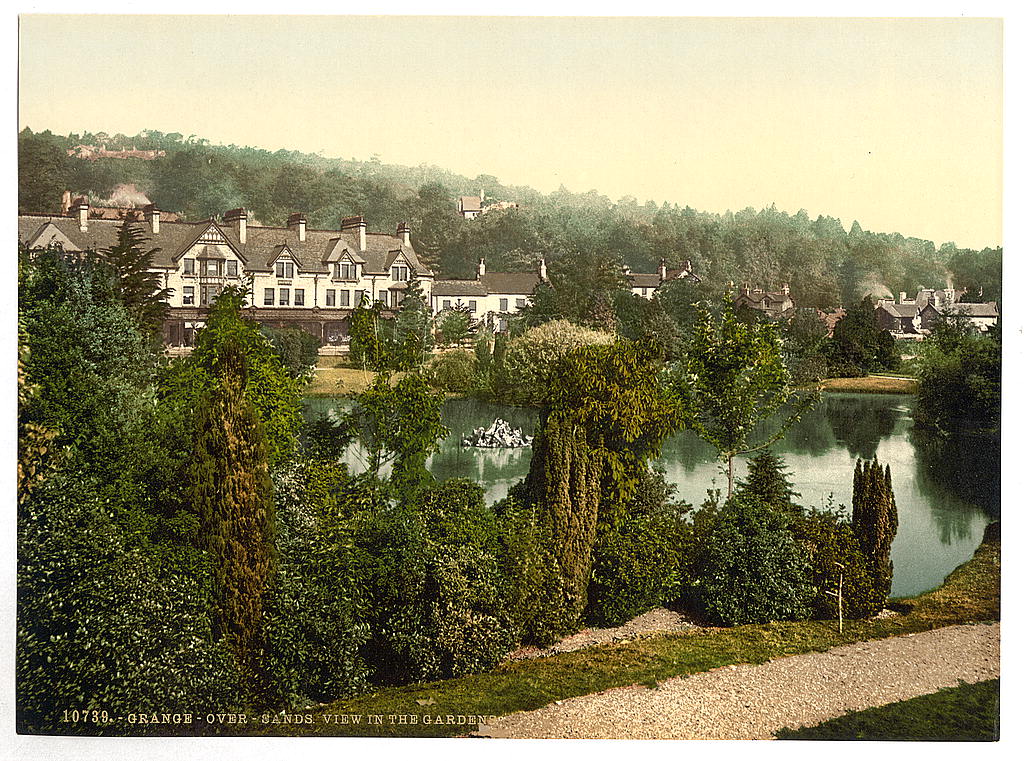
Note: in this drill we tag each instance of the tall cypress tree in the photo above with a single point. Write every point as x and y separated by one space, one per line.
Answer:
232 491
875 520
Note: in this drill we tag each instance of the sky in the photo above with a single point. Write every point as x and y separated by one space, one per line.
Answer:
896 123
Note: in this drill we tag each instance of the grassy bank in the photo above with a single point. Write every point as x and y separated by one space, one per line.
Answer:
969 594
965 713
335 378
871 384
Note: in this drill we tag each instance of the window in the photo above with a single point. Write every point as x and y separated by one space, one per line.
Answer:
190 266
400 273
212 267
188 295
300 297
344 271
643 291
330 297
502 305
472 305
286 270
520 303
268 297
232 268
383 298
345 294
283 299
207 294
446 304
360 295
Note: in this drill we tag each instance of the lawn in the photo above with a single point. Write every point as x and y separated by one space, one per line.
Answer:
871 384
335 378
970 594
968 712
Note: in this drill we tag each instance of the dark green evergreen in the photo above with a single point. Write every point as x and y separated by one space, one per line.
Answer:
875 520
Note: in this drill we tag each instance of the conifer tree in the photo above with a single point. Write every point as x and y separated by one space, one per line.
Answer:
231 489
137 285
875 520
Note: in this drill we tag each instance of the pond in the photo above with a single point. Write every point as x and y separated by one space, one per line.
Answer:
946 492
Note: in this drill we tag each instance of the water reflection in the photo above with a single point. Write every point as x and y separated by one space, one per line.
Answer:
940 486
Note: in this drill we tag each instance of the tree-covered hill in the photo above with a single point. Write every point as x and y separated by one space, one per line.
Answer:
824 263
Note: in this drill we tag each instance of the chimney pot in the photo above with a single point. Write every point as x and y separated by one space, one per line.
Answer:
237 217
404 231
297 222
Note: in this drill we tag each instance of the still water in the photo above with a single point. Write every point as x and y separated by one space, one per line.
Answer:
946 492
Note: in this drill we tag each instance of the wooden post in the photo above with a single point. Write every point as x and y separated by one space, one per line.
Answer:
839 596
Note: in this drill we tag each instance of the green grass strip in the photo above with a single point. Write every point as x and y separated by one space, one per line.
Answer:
969 712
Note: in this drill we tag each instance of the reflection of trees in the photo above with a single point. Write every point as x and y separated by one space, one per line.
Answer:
965 465
809 435
860 422
688 451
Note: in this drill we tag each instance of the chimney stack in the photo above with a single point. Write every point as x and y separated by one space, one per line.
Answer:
81 208
297 221
662 271
153 217
237 217
785 289
903 297
358 226
65 203
403 232
543 269
481 269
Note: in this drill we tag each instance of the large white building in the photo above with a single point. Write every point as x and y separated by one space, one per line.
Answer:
296 276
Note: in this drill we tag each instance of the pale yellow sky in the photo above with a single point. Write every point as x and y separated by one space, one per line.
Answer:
895 123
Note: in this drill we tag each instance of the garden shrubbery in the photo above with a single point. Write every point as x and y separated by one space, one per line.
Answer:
453 370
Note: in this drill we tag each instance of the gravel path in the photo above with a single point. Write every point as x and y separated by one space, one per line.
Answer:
754 702
657 621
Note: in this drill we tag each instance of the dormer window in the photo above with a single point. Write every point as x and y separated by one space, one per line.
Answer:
344 271
286 269
400 273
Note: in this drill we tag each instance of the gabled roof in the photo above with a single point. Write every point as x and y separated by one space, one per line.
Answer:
899 310
469 203
258 253
644 279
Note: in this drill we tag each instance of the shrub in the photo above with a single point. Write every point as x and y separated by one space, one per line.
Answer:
104 624
751 569
527 360
828 538
314 631
434 586
453 370
298 350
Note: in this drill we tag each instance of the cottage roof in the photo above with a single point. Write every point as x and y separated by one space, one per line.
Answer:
469 203
514 283
644 279
458 288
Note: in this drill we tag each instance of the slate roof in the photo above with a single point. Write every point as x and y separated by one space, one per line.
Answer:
644 280
899 310
457 288
262 247
469 203
510 282
987 309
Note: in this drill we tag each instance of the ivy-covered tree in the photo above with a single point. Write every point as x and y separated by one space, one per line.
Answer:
875 520
231 490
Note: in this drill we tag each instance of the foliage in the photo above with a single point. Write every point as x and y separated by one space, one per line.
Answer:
751 569
453 370
367 346
43 172
960 381
732 378
35 441
768 481
137 286
298 350
833 548
102 625
858 345
398 424
434 586
528 360
231 489
637 566
453 326
875 520
412 326
269 387
315 631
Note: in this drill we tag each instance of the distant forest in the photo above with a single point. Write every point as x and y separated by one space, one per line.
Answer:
825 264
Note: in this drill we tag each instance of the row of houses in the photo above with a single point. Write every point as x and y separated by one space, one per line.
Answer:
297 276
913 319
